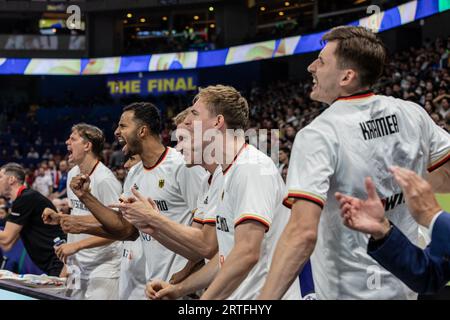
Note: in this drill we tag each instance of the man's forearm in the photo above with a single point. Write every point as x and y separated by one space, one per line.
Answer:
112 222
90 225
235 269
440 179
184 240
199 279
93 242
6 242
290 256
182 248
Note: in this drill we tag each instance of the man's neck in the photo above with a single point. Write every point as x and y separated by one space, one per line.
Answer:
88 164
231 147
350 92
210 167
14 191
152 150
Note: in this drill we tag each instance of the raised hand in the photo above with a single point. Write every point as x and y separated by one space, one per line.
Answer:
364 215
80 185
50 216
419 195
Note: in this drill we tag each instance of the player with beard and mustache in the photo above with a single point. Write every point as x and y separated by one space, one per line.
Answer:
162 175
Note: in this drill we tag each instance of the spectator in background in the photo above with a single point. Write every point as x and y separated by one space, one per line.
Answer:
120 175
16 155
117 157
106 153
61 191
284 154
284 172
47 155
443 106
43 183
33 154
3 210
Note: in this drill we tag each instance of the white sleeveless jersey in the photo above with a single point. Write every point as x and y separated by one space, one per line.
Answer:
356 137
104 261
252 189
174 188
133 266
206 210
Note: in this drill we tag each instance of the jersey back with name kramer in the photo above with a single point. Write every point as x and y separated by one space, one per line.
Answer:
174 188
359 136
104 261
252 189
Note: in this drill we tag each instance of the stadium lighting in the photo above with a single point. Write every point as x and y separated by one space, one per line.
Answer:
142 20
211 9
262 8
129 15
196 17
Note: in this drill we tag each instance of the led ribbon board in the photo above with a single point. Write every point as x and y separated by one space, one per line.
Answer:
386 20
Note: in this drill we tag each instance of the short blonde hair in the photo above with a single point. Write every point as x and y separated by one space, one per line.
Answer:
228 102
179 118
93 135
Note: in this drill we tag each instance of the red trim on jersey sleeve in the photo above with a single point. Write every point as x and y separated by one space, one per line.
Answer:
254 218
209 221
439 163
198 220
287 202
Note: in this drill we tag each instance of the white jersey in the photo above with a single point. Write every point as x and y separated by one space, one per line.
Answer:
252 189
206 210
174 188
104 261
133 266
356 137
42 185
133 278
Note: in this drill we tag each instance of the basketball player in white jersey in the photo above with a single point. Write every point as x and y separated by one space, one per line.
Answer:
195 242
360 134
98 259
132 278
249 215
161 174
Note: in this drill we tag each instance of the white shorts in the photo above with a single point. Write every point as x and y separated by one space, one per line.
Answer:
96 289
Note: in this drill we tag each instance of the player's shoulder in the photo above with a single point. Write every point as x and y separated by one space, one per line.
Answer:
73 172
172 161
174 156
103 174
252 160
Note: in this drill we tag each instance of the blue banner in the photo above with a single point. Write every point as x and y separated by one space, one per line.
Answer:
150 84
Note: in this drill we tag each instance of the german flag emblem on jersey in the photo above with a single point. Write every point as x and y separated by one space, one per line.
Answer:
161 183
